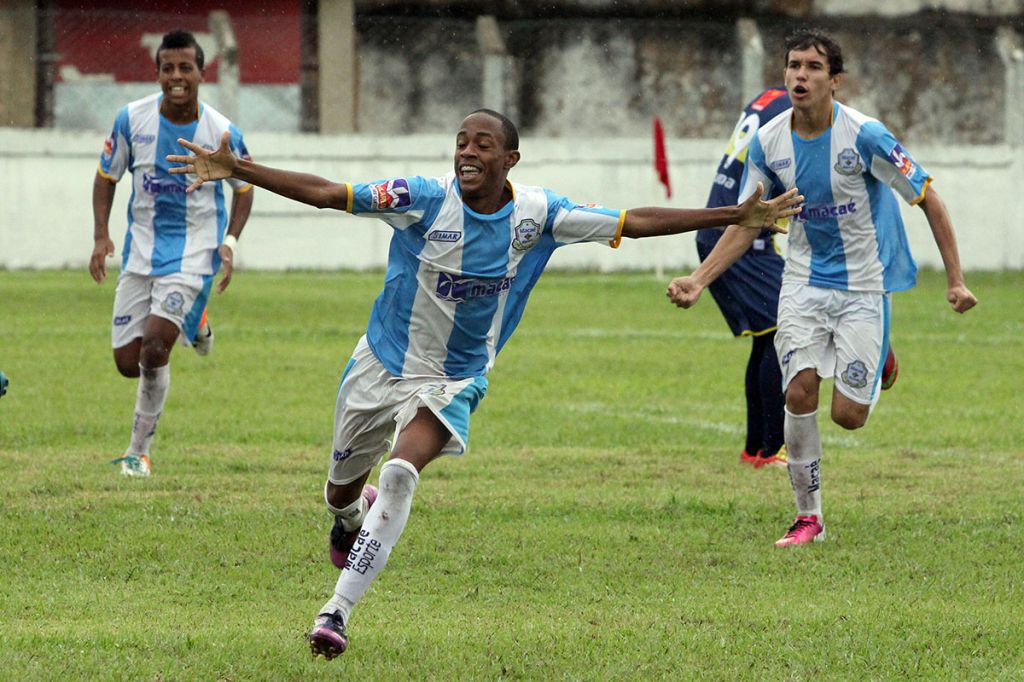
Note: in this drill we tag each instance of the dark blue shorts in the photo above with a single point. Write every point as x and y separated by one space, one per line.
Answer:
748 292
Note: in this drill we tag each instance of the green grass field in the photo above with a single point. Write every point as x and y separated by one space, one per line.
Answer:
600 528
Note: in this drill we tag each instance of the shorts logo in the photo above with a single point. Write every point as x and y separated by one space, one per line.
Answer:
433 389
788 356
444 235
174 303
139 138
856 374
340 455
901 159
779 164
390 195
460 289
527 234
848 162
121 320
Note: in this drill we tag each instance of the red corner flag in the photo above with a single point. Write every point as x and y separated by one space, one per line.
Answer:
660 158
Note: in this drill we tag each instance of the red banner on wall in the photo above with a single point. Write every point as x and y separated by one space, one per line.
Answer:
100 38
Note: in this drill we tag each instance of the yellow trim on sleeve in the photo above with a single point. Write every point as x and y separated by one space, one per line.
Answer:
242 190
349 206
920 197
614 243
104 175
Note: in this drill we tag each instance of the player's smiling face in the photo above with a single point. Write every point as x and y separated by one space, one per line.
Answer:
179 75
807 79
481 161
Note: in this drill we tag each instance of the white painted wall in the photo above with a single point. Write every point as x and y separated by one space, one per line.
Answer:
47 177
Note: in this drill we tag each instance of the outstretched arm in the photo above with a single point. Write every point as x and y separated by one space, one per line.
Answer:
753 213
221 163
684 291
957 293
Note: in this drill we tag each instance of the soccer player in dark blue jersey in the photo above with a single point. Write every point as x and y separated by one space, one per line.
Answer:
748 292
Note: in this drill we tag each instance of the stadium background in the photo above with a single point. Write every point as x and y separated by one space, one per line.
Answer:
359 90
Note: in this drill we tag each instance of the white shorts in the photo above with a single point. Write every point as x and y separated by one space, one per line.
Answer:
839 333
178 297
374 406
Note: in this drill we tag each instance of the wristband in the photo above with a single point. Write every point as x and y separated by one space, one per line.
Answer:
230 241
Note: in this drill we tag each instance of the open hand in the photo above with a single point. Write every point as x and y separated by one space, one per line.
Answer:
205 165
758 214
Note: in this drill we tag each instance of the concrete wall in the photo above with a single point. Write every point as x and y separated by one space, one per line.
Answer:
47 176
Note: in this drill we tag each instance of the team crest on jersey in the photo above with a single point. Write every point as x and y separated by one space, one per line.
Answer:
174 303
901 159
527 234
390 195
848 162
856 374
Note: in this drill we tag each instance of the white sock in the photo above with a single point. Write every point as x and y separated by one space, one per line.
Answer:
352 515
382 527
803 445
149 403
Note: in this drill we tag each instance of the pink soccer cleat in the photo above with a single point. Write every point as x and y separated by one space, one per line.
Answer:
328 638
805 529
342 541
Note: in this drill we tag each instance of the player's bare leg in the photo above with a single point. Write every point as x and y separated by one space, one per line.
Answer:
417 445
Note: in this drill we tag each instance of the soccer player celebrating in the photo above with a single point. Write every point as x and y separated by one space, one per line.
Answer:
847 251
175 242
466 251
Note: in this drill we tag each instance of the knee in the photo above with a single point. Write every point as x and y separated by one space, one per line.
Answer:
801 399
850 419
155 352
127 363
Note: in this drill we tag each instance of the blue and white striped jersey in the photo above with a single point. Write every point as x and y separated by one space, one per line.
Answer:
850 234
168 230
457 280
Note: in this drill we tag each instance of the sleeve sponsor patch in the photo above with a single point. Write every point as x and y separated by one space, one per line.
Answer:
390 195
901 159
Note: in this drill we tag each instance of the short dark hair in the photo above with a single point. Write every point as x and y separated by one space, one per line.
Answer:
180 39
820 41
508 128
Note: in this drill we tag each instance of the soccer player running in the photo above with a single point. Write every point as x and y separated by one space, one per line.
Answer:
747 294
175 241
847 250
466 251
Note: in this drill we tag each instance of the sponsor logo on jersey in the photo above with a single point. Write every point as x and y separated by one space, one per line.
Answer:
779 164
901 159
766 98
155 185
444 235
108 147
856 374
461 289
174 303
390 195
848 162
121 320
819 211
141 138
433 389
527 234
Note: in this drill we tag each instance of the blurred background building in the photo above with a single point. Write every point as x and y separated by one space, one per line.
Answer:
393 78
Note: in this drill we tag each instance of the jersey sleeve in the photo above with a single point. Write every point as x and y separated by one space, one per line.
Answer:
116 154
400 202
755 170
890 163
239 149
570 222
